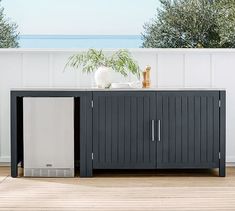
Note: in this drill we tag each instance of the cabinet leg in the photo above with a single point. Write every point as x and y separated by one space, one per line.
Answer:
85 173
222 171
85 169
14 170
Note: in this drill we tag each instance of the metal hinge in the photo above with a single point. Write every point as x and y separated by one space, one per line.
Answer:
219 103
219 156
92 156
92 103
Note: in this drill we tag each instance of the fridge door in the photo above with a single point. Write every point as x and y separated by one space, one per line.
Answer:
48 136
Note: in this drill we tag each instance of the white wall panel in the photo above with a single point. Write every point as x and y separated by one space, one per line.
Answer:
10 76
197 70
224 76
170 70
61 76
36 69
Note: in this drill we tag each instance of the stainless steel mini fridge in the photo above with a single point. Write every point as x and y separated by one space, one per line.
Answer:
48 136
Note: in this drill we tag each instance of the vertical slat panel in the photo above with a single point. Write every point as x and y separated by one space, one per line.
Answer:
153 145
122 130
191 129
172 137
184 129
178 130
102 129
133 129
89 149
197 130
222 133
203 129
210 129
114 130
216 128
127 123
160 153
108 129
96 137
165 128
140 110
121 138
190 120
146 130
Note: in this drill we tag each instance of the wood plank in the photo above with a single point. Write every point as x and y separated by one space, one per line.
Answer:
121 129
178 129
108 130
127 122
147 123
102 129
133 130
210 129
140 132
165 128
172 131
204 130
128 191
197 129
185 125
191 129
114 131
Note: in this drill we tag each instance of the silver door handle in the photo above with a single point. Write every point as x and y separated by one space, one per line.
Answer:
159 130
153 135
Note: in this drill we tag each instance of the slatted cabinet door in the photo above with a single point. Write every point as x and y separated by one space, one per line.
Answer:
189 129
122 130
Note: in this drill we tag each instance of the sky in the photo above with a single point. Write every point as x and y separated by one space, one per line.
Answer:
80 17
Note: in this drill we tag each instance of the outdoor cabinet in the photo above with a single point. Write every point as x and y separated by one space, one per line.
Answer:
158 130
137 129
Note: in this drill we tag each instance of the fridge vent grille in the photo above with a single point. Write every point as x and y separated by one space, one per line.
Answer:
48 172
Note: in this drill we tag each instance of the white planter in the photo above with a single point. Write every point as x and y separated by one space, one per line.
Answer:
103 77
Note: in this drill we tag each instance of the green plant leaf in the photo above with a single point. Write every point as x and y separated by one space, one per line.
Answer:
120 61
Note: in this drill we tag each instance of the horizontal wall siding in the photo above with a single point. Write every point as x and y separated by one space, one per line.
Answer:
171 68
189 130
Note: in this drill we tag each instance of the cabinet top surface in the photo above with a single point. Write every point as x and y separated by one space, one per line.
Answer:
112 89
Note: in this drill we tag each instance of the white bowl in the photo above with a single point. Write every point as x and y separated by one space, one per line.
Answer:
120 86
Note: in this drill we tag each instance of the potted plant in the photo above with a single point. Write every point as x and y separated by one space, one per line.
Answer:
120 61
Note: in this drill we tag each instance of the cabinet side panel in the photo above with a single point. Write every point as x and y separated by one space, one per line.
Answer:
222 133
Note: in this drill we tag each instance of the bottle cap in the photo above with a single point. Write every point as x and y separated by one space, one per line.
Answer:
148 67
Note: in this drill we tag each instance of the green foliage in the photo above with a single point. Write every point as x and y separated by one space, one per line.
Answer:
192 24
8 33
120 61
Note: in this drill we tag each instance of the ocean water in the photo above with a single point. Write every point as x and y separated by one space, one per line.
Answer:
80 41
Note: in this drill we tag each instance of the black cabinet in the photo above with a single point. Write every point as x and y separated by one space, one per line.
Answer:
147 129
158 130
189 129
122 130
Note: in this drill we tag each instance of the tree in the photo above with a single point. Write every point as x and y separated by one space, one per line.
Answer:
192 24
8 31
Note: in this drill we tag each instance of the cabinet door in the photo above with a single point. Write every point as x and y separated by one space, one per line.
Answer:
122 130
189 129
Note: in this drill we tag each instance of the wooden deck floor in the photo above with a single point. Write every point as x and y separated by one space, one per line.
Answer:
128 191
